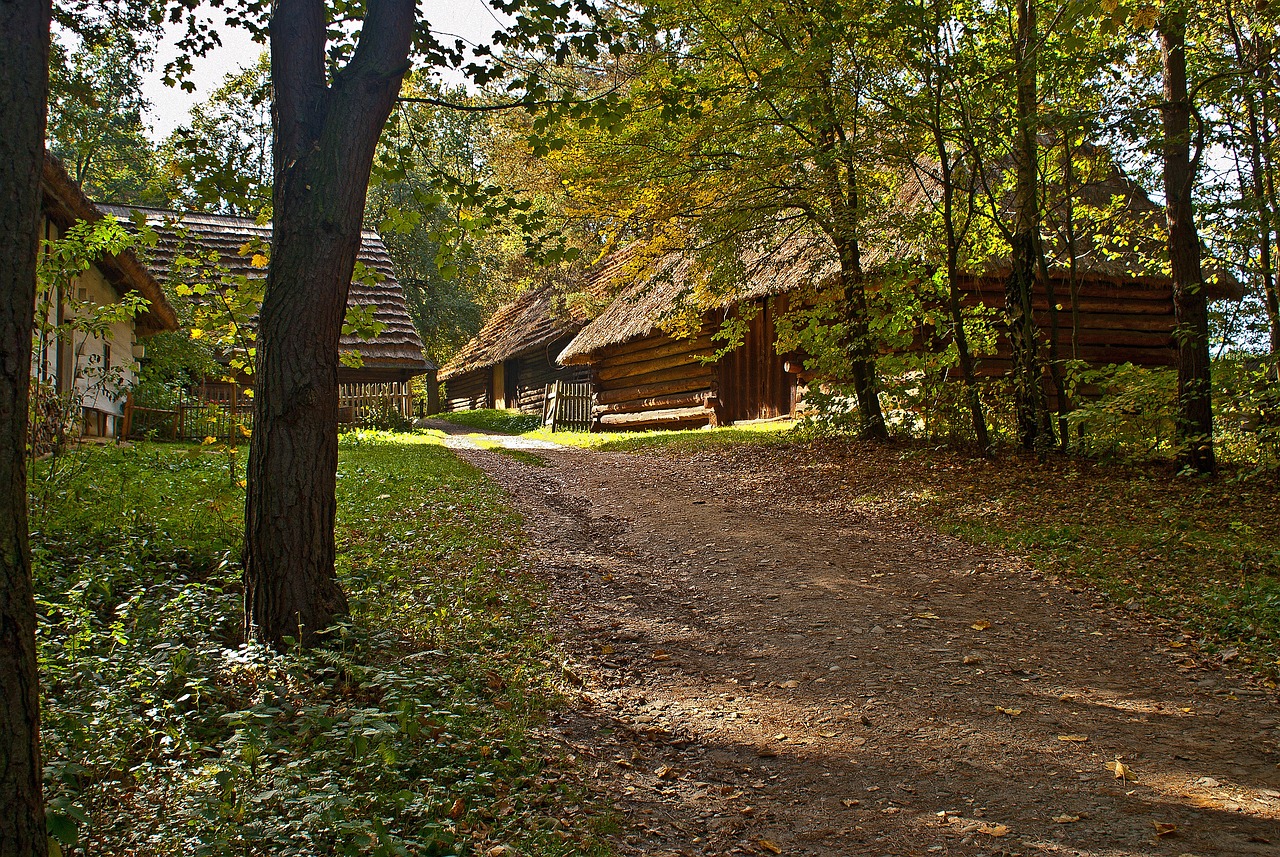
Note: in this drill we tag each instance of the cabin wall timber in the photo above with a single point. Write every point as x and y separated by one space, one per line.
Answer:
659 381
518 382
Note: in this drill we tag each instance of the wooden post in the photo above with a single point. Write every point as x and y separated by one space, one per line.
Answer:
128 416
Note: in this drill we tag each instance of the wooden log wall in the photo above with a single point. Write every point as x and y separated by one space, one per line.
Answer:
655 381
469 391
1118 323
535 369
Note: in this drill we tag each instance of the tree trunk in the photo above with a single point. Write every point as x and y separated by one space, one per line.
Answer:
1195 403
325 139
1029 399
24 88
862 363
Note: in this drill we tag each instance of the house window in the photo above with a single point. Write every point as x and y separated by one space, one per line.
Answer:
106 356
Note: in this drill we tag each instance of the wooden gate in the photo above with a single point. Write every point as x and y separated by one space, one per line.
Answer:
567 406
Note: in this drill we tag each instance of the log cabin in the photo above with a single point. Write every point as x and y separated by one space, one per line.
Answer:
512 360
1112 307
378 366
92 372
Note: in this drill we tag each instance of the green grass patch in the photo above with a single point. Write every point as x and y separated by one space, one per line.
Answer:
679 441
414 734
504 422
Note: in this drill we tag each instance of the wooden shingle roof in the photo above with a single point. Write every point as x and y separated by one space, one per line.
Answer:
65 204
397 348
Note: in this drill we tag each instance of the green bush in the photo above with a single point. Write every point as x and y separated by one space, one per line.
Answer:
505 422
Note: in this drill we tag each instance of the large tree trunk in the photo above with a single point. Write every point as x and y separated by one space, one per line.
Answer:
325 139
1195 403
24 88
1028 388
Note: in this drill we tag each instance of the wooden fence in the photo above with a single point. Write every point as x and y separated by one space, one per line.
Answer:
370 402
225 413
567 406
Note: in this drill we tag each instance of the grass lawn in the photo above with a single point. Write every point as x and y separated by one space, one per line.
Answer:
418 734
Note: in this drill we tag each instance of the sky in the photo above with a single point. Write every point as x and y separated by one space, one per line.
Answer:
471 20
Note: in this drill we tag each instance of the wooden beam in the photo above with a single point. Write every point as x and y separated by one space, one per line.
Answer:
669 417
666 388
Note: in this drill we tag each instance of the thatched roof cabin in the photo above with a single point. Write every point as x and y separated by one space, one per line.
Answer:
510 362
394 355
644 377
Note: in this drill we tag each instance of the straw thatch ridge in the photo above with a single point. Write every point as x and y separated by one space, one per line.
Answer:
535 318
64 204
397 349
674 282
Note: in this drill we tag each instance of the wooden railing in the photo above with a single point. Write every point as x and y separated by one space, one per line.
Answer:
224 413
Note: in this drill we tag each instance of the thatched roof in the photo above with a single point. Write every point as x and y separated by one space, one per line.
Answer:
396 349
673 283
670 285
535 318
65 203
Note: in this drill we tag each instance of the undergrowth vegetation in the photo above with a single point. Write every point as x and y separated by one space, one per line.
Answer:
506 422
416 732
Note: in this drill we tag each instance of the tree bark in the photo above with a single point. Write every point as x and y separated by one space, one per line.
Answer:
1195 403
1029 400
24 88
326 135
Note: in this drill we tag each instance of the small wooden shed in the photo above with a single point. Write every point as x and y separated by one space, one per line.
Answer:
510 362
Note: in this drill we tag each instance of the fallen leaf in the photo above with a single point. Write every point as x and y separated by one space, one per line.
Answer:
928 616
1176 645
980 625
661 655
828 734
1163 828
606 649
1120 769
770 846
790 684
666 772
858 742
457 809
1008 712
1066 819
994 829
1074 739
850 801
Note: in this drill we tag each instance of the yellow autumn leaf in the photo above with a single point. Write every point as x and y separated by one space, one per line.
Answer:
1008 712
1074 739
994 829
1066 819
928 616
770 846
258 261
1163 828
209 439
606 649
980 625
196 333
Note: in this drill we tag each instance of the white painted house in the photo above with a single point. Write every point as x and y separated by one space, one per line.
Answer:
95 370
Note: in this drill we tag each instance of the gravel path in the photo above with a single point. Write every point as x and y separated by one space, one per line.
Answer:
760 673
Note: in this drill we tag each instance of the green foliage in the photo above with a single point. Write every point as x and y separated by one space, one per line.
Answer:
505 422
222 161
410 734
97 117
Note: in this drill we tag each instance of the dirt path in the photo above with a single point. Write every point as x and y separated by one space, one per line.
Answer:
759 675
